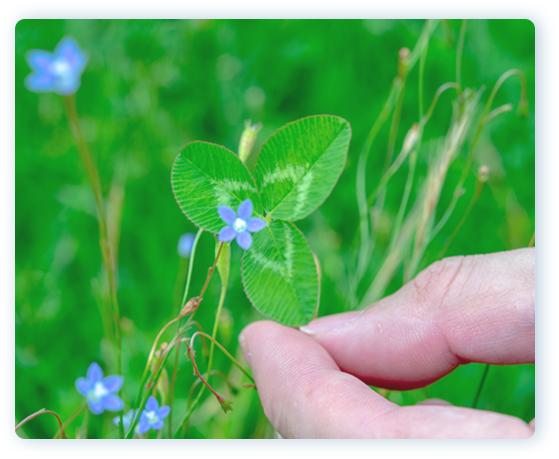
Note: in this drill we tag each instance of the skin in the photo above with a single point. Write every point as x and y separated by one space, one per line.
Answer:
313 381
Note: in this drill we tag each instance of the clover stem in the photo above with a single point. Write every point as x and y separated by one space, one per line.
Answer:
212 269
183 302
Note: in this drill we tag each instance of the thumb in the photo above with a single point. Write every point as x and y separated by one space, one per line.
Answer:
459 310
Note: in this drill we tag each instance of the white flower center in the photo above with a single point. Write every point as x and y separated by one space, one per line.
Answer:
152 417
240 225
61 68
98 392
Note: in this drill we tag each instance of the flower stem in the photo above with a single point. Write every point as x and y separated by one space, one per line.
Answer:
183 302
106 252
475 197
73 416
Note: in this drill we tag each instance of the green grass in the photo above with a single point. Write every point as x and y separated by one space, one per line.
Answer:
149 88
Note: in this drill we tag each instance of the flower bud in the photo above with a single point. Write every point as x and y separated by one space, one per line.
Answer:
190 306
523 111
411 138
483 173
403 57
186 241
248 138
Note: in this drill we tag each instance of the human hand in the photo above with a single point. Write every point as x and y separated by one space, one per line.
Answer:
313 382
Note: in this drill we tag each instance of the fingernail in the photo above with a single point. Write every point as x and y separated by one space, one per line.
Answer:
244 347
330 323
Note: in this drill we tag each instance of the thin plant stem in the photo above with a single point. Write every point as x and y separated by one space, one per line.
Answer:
183 424
459 53
401 212
533 240
82 433
38 413
154 377
475 197
166 353
470 158
183 302
106 252
480 387
68 421
219 373
361 190
421 75
210 359
443 88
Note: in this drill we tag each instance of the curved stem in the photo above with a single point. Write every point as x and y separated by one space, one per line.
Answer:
183 302
38 413
73 416
475 197
438 94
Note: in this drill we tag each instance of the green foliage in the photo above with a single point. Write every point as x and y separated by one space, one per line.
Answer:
206 176
297 169
279 274
299 165
152 86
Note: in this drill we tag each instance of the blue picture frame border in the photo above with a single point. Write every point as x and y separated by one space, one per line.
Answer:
546 228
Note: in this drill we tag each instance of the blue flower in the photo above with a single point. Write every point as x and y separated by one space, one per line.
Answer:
126 419
100 391
152 417
185 245
239 224
58 72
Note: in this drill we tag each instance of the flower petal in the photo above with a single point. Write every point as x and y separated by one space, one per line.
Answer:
83 386
68 49
244 239
163 412
227 234
40 82
255 224
112 383
112 403
94 373
95 407
39 60
142 427
116 421
152 404
245 210
157 425
227 214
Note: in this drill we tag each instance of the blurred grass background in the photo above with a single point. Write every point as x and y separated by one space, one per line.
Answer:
149 88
